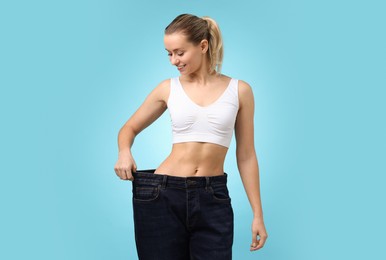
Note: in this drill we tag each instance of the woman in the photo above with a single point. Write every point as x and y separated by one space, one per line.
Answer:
182 209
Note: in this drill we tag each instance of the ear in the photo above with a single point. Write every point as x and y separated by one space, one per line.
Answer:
204 45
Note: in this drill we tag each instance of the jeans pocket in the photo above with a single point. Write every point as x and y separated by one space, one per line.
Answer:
220 193
146 193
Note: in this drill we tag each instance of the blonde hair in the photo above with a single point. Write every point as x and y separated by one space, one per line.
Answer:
197 29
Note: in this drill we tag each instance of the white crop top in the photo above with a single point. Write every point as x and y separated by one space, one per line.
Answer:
194 123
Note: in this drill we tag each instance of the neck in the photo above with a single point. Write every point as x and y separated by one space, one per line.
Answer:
201 76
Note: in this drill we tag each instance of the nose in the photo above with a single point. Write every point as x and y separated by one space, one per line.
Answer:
174 60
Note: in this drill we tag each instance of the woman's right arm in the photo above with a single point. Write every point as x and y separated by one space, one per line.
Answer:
151 109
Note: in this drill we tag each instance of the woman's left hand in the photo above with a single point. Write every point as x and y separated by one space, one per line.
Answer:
258 229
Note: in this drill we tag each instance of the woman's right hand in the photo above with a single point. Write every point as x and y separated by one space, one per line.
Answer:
125 165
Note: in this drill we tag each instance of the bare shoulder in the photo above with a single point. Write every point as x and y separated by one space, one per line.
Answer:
162 90
244 87
163 86
245 92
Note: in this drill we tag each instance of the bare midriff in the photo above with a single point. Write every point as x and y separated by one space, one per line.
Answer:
194 159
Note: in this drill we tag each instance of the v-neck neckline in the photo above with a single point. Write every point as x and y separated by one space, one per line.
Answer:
211 104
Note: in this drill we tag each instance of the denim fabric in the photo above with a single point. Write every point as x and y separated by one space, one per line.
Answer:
182 218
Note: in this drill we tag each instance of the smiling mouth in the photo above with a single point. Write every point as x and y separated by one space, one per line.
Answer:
180 67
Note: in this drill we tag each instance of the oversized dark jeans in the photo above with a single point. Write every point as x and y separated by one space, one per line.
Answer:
182 218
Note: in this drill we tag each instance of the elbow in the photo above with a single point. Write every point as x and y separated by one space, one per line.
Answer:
127 130
244 155
247 162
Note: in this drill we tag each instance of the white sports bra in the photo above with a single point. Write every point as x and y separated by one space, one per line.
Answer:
195 123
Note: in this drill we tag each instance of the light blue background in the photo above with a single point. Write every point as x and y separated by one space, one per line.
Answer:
72 73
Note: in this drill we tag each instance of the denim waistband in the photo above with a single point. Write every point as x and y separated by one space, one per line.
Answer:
149 177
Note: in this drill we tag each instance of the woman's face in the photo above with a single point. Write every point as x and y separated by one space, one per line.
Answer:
183 54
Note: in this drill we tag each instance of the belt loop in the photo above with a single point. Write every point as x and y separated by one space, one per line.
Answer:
164 181
207 182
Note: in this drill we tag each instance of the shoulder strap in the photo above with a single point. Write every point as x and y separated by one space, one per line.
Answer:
234 85
173 90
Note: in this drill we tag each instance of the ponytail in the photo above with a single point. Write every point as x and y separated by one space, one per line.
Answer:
216 48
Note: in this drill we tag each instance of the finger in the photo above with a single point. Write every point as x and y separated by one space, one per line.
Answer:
133 170
130 175
119 173
126 174
130 178
122 173
255 242
262 241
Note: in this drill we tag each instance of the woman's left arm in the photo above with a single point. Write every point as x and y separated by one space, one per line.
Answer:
247 161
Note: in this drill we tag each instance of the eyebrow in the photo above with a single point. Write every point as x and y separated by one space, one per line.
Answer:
175 49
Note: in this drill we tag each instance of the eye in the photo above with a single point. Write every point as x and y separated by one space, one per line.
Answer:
179 54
